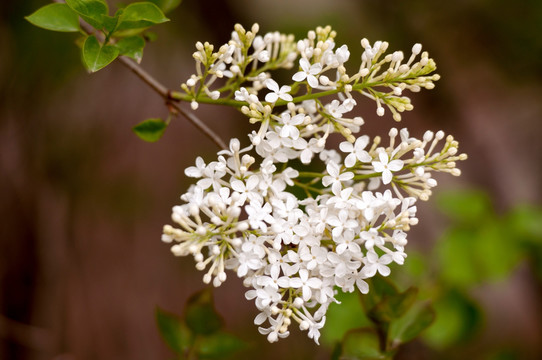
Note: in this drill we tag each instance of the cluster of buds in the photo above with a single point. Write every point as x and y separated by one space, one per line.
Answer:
299 233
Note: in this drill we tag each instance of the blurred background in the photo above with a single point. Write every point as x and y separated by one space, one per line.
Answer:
83 200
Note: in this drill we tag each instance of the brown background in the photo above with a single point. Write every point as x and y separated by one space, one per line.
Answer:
82 200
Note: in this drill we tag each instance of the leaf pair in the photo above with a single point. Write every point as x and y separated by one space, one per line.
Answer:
125 25
396 316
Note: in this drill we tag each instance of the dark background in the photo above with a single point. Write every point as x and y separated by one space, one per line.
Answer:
83 200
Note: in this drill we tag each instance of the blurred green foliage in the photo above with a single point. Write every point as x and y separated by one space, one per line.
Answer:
199 333
479 247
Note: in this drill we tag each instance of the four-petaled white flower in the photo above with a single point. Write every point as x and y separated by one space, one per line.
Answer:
335 178
385 167
277 93
289 128
356 151
308 72
305 283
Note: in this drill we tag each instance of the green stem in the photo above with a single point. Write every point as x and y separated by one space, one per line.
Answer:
311 174
308 188
312 96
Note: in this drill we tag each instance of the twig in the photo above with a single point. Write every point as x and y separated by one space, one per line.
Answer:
160 89
165 93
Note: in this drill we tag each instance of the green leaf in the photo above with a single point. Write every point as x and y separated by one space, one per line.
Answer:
468 206
173 331
468 256
201 316
56 17
141 15
362 344
219 345
97 56
132 47
379 288
526 222
343 317
166 5
411 324
397 305
110 23
458 319
150 130
92 11
456 258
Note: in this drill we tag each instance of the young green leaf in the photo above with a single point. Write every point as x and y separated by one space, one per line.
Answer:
92 11
166 5
411 324
220 345
458 319
56 17
132 47
381 287
150 130
97 56
342 317
173 331
201 316
469 206
362 344
392 307
110 23
141 15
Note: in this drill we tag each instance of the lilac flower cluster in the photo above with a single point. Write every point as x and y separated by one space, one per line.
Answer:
294 252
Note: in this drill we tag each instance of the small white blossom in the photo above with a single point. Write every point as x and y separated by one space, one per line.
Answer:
308 72
386 167
277 93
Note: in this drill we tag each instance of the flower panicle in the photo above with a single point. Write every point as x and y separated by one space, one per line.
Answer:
352 207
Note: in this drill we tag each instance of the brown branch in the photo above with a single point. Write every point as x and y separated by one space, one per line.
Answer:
165 93
159 88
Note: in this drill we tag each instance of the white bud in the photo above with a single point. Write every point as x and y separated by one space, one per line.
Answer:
397 56
194 210
215 94
272 337
194 105
324 80
416 49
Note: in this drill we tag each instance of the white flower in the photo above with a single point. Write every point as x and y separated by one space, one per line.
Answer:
305 283
375 263
259 214
335 178
289 128
196 171
356 151
308 72
277 93
385 166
